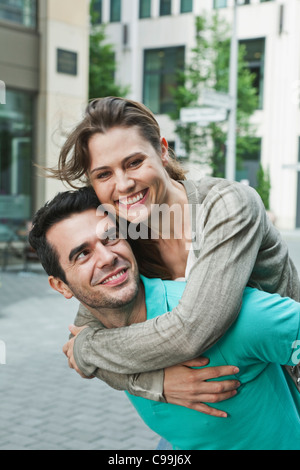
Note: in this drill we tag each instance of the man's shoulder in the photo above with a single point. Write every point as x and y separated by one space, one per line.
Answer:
266 310
167 292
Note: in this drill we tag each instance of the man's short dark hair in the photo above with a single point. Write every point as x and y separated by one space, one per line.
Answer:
63 206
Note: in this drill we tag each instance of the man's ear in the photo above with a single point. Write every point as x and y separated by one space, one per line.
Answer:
60 286
165 151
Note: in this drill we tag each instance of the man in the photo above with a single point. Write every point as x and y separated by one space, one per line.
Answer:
100 270
65 245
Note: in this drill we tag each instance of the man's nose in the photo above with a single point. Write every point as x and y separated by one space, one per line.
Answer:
105 256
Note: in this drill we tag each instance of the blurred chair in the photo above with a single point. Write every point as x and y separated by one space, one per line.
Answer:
14 244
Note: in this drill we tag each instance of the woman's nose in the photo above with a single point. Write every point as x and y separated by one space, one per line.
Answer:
124 184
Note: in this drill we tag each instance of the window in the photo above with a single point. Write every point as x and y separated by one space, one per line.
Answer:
160 76
22 12
115 11
186 6
145 8
220 3
16 150
250 152
97 11
255 58
165 7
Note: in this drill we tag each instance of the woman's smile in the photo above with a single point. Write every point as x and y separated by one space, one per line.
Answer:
136 198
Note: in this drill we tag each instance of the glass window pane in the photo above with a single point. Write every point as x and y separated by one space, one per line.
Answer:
16 155
220 3
165 7
145 8
97 11
115 10
22 12
160 76
255 58
186 6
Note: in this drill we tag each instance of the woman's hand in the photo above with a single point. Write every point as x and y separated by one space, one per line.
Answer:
69 348
189 387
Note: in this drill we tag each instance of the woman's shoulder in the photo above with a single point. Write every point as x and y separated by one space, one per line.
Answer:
209 188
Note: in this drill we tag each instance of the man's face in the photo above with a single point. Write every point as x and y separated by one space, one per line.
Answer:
101 272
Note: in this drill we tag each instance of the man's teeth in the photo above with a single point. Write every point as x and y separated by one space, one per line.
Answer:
112 278
133 200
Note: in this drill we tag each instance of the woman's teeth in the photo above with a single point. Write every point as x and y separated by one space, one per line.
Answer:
133 200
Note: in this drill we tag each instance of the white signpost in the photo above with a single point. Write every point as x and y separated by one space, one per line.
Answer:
295 166
203 115
216 99
213 107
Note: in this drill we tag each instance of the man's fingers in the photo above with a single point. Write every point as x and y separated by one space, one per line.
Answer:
215 397
198 362
209 388
217 372
209 411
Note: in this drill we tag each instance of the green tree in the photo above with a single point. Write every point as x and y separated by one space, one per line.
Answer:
264 186
208 67
102 65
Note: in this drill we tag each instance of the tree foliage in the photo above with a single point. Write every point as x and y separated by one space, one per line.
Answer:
208 67
102 66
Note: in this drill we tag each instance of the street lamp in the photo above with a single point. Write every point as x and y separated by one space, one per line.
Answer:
230 168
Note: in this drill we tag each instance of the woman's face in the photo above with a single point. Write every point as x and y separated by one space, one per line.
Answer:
127 173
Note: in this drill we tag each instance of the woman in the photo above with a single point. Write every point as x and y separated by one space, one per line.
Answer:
119 150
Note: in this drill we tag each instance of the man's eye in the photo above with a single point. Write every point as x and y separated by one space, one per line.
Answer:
82 255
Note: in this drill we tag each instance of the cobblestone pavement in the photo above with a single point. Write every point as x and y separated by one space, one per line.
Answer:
44 405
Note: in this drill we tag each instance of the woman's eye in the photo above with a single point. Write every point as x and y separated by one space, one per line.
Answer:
102 175
135 162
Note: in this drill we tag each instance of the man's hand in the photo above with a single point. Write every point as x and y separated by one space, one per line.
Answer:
189 387
68 350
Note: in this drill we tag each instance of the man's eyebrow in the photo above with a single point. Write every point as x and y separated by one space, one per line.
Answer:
111 233
123 161
77 250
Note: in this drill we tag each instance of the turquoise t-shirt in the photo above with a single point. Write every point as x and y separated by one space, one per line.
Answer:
264 415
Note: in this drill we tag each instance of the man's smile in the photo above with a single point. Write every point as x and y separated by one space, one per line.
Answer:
114 279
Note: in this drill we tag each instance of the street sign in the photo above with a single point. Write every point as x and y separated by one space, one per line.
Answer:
202 116
296 167
216 99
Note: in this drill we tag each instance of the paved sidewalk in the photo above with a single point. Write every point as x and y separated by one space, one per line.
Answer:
44 405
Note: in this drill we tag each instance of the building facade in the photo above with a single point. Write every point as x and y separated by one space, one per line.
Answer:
44 69
153 38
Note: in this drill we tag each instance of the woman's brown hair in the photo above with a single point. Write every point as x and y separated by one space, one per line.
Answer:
101 115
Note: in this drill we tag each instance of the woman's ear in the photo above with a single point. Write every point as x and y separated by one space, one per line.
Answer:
60 286
165 151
